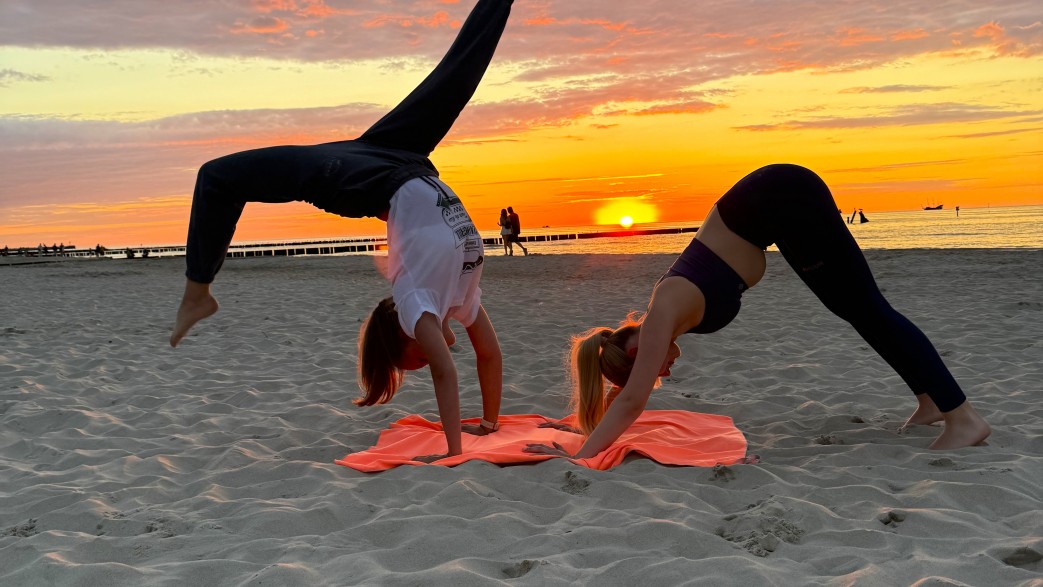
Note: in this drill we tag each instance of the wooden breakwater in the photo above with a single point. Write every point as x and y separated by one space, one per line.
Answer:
342 246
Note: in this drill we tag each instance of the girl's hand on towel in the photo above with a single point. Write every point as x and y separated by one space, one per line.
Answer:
542 449
559 426
430 458
474 429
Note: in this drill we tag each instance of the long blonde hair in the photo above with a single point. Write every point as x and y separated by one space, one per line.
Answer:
381 345
599 354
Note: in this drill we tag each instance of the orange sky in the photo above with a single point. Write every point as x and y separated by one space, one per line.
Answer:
639 111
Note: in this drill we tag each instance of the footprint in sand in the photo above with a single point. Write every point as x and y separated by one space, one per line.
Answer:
891 518
828 439
22 530
1022 557
521 569
722 473
575 484
761 528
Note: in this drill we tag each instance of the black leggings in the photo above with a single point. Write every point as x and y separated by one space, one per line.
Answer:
791 207
342 177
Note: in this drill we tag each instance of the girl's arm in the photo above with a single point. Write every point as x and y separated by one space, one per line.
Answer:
430 337
490 365
676 306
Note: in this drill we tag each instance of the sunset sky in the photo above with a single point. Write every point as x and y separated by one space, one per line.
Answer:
591 110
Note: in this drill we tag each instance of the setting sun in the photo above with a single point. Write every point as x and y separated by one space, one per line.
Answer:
626 212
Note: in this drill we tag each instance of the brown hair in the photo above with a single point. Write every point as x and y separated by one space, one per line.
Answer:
381 344
599 354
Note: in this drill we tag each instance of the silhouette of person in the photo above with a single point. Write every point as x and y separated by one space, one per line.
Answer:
505 232
515 229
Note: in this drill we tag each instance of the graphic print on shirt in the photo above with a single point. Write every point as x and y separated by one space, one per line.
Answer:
455 216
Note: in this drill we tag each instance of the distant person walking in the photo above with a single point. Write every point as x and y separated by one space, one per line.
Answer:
515 230
505 232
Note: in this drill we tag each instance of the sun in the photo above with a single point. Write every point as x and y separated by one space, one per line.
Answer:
626 212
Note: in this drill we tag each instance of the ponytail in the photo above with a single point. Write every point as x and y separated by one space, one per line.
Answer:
381 345
599 354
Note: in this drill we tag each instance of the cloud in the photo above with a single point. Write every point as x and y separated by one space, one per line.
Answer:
894 89
999 133
736 33
918 114
895 166
10 76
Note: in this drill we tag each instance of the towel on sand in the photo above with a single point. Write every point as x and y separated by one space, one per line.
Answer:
670 437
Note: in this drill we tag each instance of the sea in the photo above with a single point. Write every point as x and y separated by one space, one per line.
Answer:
1013 227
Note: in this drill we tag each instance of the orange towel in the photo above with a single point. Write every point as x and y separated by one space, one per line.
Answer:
670 437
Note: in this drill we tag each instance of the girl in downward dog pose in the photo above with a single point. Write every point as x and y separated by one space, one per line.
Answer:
791 207
435 254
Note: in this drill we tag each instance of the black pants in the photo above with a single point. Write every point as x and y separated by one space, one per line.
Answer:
791 207
341 177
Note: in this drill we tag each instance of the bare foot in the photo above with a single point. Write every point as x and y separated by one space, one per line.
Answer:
924 417
963 427
926 413
197 304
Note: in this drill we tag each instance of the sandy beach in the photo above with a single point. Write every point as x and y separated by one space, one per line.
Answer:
124 462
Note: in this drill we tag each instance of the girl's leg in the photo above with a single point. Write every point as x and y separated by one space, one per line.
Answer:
425 116
223 187
815 241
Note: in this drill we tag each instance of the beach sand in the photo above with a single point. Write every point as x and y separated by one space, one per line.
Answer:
124 462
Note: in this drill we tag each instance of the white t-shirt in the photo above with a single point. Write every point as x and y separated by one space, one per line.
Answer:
435 255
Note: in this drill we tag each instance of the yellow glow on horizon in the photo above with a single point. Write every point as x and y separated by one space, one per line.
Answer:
626 222
633 210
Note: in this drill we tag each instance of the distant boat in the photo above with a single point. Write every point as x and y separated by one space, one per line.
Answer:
938 207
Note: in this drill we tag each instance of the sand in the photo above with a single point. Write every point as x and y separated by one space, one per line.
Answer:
124 462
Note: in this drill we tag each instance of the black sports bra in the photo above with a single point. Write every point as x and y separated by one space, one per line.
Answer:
721 285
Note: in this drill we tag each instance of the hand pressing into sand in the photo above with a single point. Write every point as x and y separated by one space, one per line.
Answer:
542 449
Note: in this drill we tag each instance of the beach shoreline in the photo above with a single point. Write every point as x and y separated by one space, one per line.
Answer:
126 462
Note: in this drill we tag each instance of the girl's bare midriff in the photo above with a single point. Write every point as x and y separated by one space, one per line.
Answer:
746 258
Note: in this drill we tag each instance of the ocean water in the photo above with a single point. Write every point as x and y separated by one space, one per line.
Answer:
1017 227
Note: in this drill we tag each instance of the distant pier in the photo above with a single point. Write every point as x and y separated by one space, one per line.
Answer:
342 246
